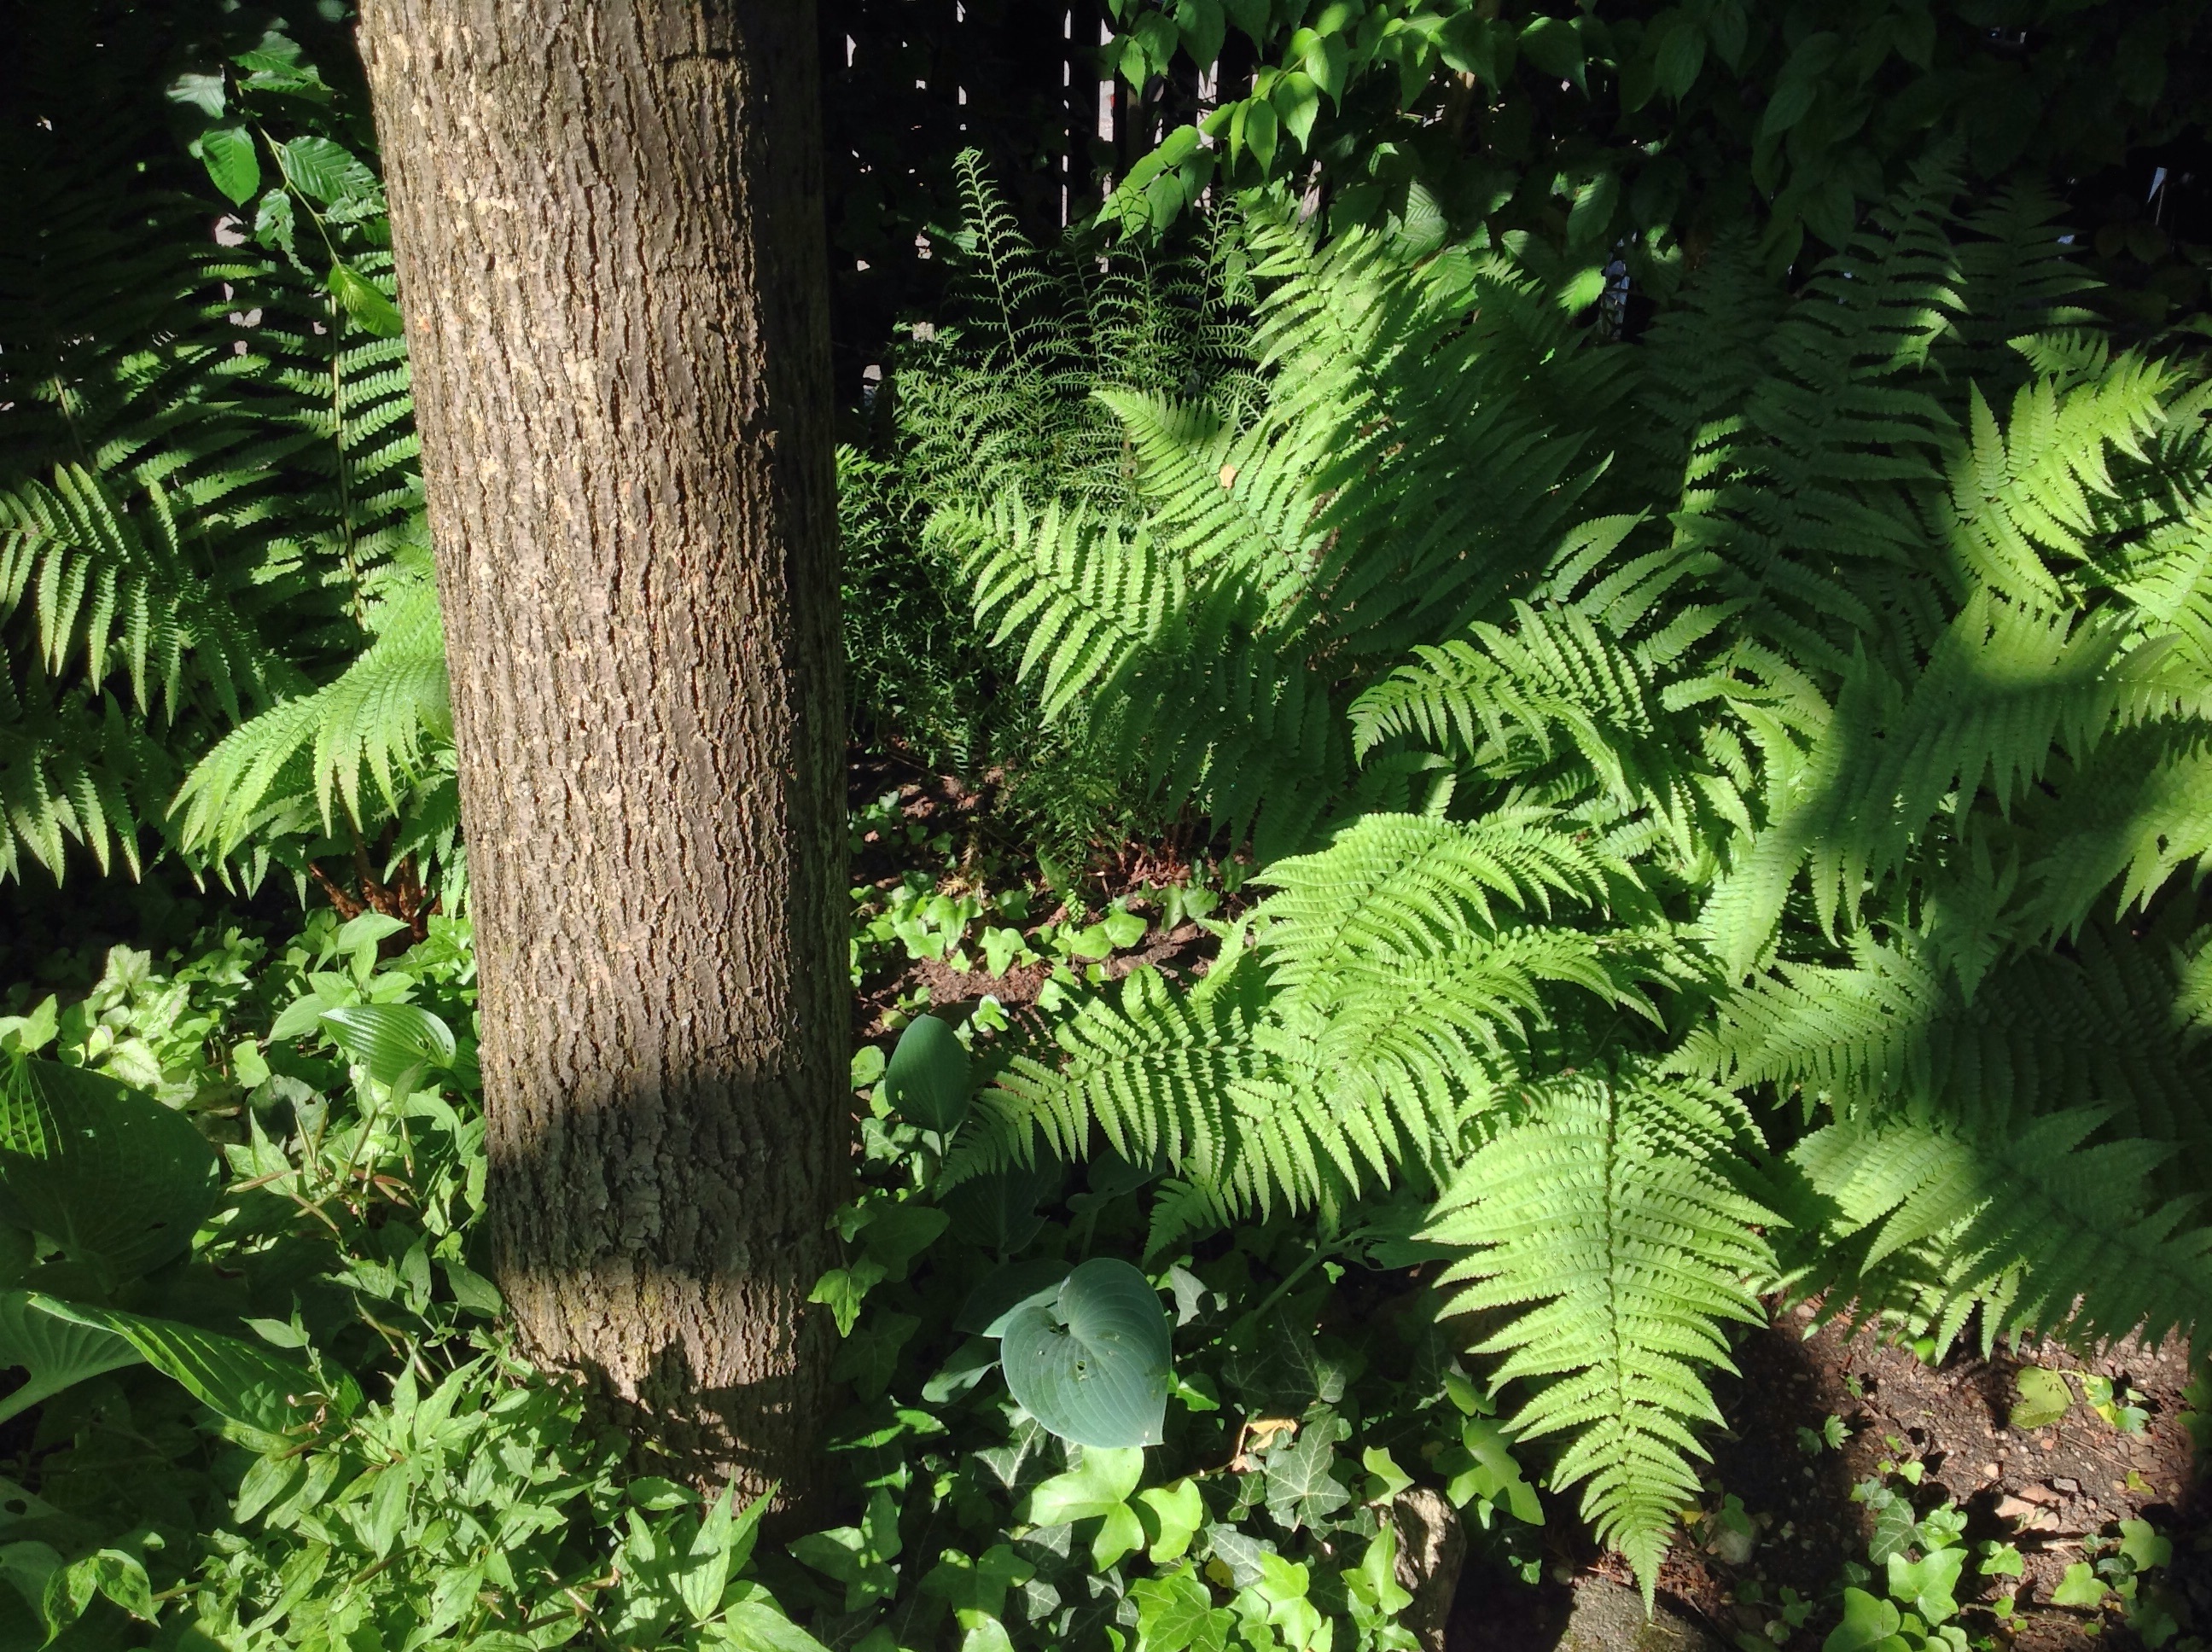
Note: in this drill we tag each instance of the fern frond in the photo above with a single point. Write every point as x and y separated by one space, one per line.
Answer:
374 721
1604 1220
2045 1234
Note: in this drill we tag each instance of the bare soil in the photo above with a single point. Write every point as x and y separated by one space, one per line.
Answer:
2048 1491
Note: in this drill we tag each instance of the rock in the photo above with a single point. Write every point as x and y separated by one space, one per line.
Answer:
2070 1487
1431 1549
1609 1617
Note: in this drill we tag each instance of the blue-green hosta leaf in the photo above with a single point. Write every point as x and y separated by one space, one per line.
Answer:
1030 1284
926 1081
1093 1367
60 1342
391 1040
107 1171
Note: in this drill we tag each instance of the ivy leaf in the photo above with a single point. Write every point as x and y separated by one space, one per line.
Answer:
1927 1584
2080 1587
1100 1483
1171 1516
1867 1624
1302 1489
869 1354
1176 1613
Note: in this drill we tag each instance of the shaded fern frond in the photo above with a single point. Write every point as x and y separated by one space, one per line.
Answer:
2043 1233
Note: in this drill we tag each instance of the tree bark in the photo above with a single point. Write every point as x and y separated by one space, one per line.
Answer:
607 218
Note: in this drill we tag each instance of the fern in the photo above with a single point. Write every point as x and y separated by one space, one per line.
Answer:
1604 1214
1810 702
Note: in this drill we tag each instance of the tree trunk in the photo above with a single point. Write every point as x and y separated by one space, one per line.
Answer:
607 215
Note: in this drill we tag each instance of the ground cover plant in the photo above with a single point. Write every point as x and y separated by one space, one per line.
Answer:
1432 849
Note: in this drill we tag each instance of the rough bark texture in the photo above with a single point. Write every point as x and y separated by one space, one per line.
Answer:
607 218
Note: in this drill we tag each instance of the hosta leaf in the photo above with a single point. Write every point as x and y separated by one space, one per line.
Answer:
1093 1367
391 1040
926 1081
61 1343
118 1180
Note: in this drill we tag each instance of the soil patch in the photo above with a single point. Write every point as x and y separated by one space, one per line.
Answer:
2048 1491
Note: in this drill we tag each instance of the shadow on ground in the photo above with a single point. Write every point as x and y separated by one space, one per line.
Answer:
2052 1492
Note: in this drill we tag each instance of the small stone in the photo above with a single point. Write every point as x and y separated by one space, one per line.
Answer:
2120 1486
1609 1617
1989 1471
2071 1488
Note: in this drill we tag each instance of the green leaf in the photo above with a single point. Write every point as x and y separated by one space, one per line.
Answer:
1176 1613
2043 1399
27 1034
233 160
1552 46
1928 1584
2080 1587
926 1081
1297 100
1100 1481
60 1342
1302 1489
1171 1516
119 1181
371 311
1254 127
1015 1287
758 1627
1093 1367
1868 1624
392 1040
2143 1546
328 172
55 1352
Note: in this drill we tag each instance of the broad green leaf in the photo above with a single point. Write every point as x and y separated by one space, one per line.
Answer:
118 1180
2080 1587
329 171
1171 1516
1103 1480
232 161
1017 1286
1551 46
758 1627
2043 1399
1298 102
1869 1625
392 1040
55 1352
1928 1584
230 1376
1000 1210
1093 1367
927 1080
360 299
